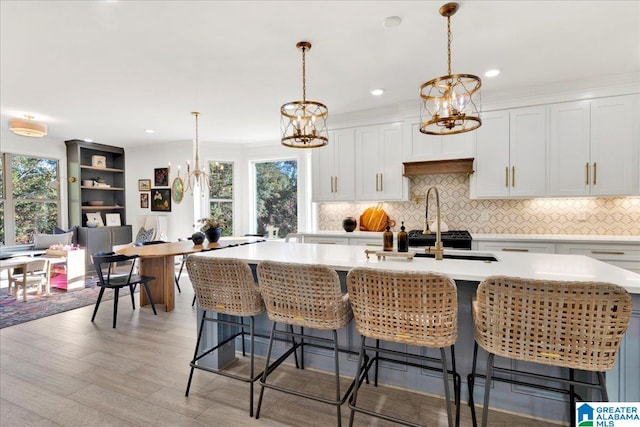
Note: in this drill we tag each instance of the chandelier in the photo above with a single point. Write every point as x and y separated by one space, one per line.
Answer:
304 123
450 104
198 177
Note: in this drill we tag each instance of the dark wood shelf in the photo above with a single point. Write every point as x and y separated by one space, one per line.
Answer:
102 188
93 208
93 168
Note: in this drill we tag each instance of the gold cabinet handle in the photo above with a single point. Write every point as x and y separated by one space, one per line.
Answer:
586 169
597 252
513 176
336 184
515 250
595 173
506 176
381 182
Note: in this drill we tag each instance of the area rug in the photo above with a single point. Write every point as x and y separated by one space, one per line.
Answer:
14 312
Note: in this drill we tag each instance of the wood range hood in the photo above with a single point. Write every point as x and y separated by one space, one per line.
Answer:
438 166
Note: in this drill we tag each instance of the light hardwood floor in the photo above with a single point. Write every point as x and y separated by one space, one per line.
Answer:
64 370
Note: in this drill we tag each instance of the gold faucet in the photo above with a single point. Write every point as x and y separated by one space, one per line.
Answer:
438 250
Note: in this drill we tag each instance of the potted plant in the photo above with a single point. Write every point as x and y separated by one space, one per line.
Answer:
212 227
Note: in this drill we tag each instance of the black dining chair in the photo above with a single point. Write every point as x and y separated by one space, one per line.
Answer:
108 278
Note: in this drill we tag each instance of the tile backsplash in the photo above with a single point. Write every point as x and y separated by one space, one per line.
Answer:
597 216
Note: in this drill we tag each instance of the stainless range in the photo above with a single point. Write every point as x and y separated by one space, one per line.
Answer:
456 239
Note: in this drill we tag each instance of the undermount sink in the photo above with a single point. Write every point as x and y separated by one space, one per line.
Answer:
469 257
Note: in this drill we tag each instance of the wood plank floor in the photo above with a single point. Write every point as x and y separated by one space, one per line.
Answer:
64 370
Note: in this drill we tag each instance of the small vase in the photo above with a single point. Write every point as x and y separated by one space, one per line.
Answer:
213 234
197 238
349 224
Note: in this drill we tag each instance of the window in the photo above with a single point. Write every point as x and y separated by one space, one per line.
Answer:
277 196
30 200
221 193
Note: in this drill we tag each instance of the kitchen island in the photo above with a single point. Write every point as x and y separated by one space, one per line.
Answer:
623 381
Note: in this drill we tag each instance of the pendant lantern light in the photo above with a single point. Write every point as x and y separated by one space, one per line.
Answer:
304 123
450 104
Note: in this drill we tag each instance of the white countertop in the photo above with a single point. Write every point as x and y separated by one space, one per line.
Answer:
556 238
527 265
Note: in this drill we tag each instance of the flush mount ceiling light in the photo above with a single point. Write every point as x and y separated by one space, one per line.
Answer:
304 123
28 127
450 104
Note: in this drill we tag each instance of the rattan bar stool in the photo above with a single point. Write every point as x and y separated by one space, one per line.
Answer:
574 325
308 296
417 309
226 286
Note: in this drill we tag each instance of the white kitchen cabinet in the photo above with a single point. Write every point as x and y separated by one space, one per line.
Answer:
333 168
421 147
510 154
378 164
328 240
621 255
510 246
593 147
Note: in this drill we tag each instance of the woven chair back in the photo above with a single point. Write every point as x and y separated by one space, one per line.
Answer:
406 307
224 285
303 295
570 324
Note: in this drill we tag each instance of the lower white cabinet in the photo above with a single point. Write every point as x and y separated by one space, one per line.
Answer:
623 256
531 247
326 240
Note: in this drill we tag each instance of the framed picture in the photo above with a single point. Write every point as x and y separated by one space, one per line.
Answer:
144 200
177 190
95 218
144 184
161 199
99 161
113 219
161 177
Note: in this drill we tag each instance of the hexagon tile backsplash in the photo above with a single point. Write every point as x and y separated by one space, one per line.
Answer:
595 216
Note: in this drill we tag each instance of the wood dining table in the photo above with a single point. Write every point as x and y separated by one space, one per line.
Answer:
158 260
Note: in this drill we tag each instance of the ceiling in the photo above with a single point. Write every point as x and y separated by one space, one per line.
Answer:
108 70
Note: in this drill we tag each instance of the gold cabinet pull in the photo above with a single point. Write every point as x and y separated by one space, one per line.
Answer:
506 176
381 182
586 169
597 252
335 187
515 249
513 176
595 173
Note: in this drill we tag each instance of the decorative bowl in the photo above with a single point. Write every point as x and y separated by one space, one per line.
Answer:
96 203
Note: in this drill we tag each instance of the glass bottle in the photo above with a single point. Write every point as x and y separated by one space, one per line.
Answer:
403 240
387 239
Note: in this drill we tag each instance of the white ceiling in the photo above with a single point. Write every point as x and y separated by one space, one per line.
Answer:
107 70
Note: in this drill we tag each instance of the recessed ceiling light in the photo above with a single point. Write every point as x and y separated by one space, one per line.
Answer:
149 130
492 73
391 21
377 92
88 140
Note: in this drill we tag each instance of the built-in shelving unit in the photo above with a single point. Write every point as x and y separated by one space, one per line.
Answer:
89 162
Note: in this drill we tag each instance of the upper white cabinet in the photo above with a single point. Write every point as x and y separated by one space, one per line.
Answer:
421 147
510 154
333 168
593 147
378 163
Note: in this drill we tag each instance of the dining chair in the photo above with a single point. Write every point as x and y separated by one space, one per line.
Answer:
109 279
